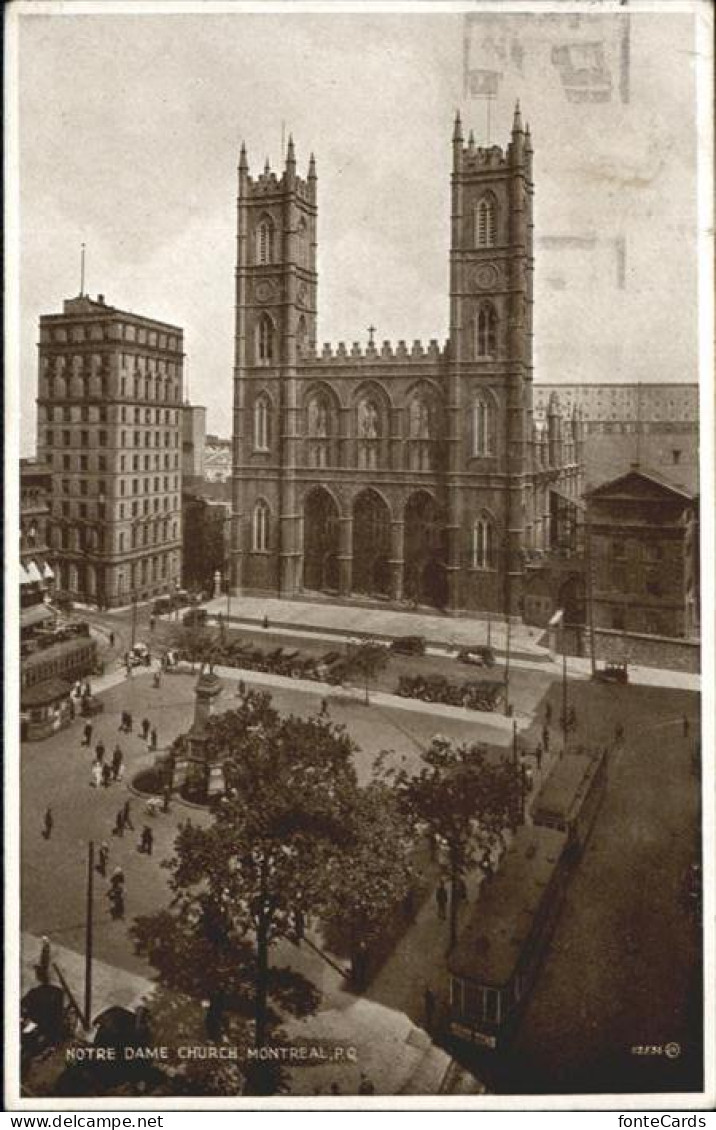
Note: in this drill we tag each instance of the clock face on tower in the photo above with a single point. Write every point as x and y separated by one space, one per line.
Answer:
484 277
264 290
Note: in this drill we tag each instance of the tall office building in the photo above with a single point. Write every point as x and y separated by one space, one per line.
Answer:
109 426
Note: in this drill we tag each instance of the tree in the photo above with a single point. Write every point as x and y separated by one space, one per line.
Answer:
194 642
276 835
466 800
373 875
365 661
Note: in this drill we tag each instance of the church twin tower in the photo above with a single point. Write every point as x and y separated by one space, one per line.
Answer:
395 472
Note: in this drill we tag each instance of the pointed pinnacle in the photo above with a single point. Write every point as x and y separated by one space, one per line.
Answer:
312 168
457 132
517 120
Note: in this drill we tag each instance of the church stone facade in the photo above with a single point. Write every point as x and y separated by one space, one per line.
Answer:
409 472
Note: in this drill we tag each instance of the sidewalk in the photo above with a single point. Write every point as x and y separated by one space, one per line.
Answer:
385 623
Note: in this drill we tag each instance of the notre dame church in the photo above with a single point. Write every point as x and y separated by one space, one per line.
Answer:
407 473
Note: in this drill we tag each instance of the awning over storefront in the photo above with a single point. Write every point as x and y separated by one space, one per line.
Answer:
35 614
33 572
24 579
47 572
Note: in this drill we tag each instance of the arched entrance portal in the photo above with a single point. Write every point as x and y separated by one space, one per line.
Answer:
371 544
320 542
425 580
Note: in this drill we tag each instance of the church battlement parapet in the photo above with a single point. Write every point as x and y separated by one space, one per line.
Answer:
474 156
399 353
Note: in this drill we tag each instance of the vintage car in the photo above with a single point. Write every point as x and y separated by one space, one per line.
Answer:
613 672
408 645
480 656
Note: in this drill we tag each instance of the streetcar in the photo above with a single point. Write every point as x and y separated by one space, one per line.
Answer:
570 797
498 954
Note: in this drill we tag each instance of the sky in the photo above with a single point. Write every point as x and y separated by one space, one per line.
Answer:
129 134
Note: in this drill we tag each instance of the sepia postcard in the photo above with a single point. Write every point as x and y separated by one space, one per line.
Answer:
359 556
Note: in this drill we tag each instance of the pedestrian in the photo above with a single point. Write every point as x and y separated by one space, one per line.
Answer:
153 738
146 726
548 714
152 622
130 722
100 752
266 622
123 722
242 688
106 775
87 692
538 755
103 858
120 772
441 898
429 1005
116 901
117 759
299 926
167 796
157 680
460 889
146 842
88 733
324 706
117 879
118 829
545 738
126 816
365 1087
73 711
111 639
96 775
49 821
77 689
685 726
43 968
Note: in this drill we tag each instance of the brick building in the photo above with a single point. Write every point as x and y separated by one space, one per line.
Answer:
109 428
644 552
397 472
36 572
656 424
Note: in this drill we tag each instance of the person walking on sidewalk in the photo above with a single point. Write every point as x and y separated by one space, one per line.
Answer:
100 752
146 727
103 858
43 968
117 759
265 622
126 816
441 898
117 879
88 734
111 639
153 738
48 823
106 776
96 775
146 842
118 829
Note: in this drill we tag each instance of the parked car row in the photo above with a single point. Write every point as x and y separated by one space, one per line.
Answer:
276 661
475 695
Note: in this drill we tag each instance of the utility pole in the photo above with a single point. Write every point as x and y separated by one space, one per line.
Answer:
89 935
590 595
507 664
564 692
134 619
